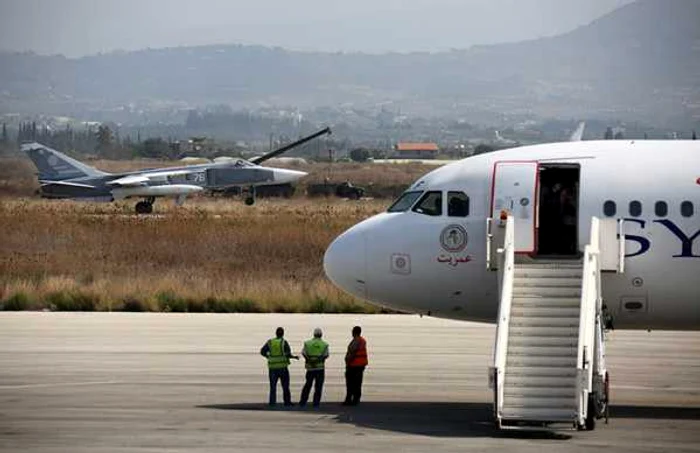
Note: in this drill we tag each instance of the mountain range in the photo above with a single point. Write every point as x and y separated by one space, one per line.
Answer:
638 63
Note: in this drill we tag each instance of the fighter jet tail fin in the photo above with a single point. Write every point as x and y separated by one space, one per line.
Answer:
55 166
577 135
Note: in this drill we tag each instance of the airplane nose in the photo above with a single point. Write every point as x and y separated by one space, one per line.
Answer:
345 263
283 176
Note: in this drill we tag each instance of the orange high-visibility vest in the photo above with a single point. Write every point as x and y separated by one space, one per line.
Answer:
360 357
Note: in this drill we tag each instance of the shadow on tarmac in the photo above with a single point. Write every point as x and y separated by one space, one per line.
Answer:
423 418
451 419
655 412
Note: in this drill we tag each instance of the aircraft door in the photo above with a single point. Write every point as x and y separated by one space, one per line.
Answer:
514 192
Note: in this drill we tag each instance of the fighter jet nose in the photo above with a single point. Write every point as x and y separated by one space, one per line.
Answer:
283 175
345 263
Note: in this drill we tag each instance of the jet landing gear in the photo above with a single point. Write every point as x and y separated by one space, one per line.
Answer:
250 200
145 206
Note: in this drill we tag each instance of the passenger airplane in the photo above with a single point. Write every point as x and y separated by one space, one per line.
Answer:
63 177
427 253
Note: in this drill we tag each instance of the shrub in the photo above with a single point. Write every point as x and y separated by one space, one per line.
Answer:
354 308
16 302
196 306
281 307
245 306
64 301
214 305
169 302
132 304
321 305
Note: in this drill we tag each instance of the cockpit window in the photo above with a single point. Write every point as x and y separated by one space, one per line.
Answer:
242 163
457 204
405 201
430 204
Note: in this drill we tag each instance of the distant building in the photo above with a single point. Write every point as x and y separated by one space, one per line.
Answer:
416 151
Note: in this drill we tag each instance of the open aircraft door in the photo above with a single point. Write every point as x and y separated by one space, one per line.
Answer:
514 192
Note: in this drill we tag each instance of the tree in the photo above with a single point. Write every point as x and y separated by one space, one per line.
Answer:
695 136
360 154
104 139
154 147
609 133
482 148
619 136
5 138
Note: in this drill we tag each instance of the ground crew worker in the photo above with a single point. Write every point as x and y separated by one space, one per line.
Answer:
315 353
355 363
278 353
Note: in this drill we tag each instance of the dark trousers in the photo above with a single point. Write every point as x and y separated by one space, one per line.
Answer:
315 377
281 374
353 384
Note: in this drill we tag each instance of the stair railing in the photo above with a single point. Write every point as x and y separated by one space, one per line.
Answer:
507 275
621 246
591 301
495 237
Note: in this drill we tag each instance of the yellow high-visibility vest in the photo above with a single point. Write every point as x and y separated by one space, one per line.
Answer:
314 349
276 358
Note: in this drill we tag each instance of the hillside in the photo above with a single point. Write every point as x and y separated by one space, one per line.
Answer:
639 62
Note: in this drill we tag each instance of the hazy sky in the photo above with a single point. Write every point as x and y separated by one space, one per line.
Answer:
79 27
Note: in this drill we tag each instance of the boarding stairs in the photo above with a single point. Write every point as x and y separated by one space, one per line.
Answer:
549 356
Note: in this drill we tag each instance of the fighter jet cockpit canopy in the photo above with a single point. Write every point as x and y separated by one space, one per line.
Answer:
240 163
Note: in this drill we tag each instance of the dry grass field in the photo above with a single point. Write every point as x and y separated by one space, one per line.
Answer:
211 254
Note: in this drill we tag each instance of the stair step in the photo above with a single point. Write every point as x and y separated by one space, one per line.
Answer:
521 347
549 265
546 302
539 415
562 392
544 341
520 330
527 360
543 371
515 381
543 323
541 282
540 402
548 272
547 291
539 312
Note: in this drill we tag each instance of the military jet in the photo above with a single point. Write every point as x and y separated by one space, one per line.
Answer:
63 177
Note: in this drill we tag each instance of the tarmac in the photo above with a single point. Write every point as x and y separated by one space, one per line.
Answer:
116 382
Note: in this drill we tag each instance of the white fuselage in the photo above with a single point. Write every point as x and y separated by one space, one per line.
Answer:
406 260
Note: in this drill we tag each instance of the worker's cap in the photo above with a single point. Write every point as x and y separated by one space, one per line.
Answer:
318 332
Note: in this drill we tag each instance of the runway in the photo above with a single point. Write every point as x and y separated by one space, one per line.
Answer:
116 382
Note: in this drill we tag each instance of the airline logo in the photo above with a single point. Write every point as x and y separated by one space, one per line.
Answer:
686 239
454 238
